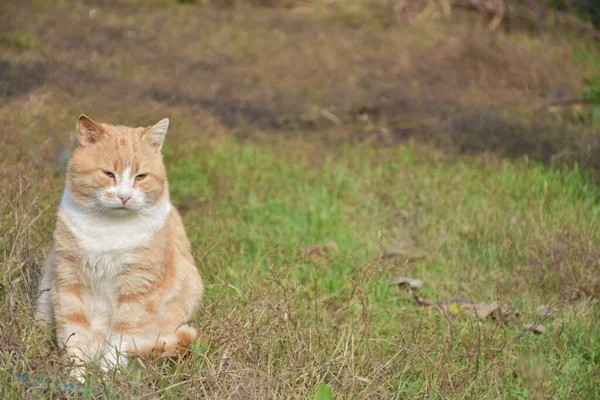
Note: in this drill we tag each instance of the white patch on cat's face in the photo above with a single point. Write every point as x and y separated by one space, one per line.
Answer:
123 195
125 185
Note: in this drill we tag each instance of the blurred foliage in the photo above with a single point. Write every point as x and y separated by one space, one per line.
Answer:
588 10
20 41
592 91
232 3
591 94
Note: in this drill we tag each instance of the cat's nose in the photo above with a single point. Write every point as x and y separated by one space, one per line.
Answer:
124 198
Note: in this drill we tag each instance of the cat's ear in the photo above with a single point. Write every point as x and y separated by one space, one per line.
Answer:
155 135
89 131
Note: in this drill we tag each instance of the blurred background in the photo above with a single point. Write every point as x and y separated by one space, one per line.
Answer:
469 76
385 198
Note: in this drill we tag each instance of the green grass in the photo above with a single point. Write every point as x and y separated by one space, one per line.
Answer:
275 324
477 226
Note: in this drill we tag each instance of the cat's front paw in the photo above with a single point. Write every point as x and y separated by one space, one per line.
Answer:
78 373
112 358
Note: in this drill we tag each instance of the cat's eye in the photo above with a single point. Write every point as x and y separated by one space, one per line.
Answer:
109 174
140 177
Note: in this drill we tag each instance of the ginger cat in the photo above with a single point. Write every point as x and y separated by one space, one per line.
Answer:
120 280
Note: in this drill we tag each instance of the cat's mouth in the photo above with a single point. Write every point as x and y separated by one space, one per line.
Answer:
122 208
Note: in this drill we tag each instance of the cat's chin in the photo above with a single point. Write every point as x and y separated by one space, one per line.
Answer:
122 210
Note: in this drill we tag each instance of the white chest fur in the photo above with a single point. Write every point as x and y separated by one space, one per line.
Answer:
101 232
109 241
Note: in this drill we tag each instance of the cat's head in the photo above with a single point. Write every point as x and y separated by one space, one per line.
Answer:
117 169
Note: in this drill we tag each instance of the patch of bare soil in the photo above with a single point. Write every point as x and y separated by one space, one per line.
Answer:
271 70
19 78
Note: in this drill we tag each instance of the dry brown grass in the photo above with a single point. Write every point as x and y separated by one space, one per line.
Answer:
574 260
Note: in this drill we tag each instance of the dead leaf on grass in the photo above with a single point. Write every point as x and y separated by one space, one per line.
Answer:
455 306
424 302
544 311
461 306
390 254
410 282
535 328
483 310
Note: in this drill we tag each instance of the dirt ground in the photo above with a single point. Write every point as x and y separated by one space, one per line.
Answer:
255 71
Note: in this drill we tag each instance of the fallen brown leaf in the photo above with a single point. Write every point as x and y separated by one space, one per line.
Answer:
461 306
457 305
390 254
425 302
410 282
535 328
483 310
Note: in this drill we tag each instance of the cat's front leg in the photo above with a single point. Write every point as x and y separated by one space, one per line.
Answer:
74 326
116 352
43 309
133 315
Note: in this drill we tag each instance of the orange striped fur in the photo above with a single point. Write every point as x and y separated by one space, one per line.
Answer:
120 280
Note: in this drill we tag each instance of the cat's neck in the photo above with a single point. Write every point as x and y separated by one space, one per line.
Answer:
101 232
